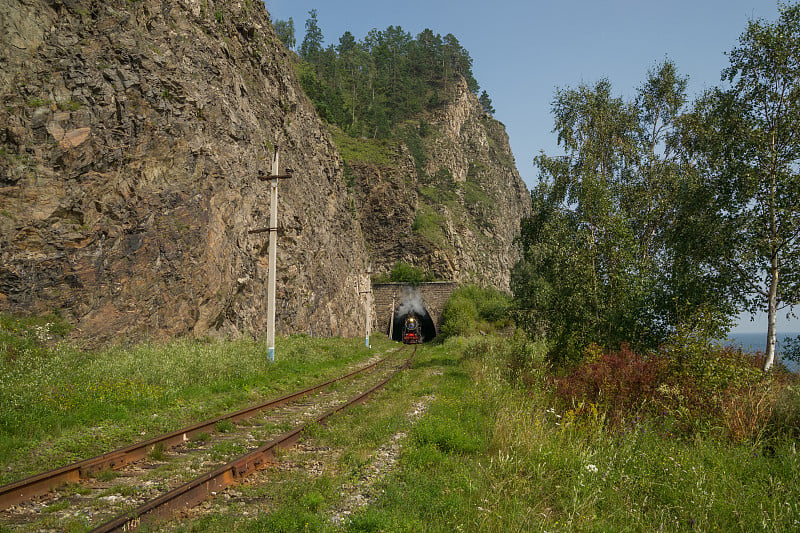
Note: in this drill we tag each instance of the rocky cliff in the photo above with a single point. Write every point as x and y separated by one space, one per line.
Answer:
131 137
448 199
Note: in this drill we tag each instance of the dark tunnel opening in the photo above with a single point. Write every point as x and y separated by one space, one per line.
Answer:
426 325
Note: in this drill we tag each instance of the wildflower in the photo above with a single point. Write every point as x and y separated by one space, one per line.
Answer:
591 468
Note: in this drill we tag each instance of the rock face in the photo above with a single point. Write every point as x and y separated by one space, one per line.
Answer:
452 203
131 137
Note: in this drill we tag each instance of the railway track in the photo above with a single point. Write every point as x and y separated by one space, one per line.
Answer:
161 472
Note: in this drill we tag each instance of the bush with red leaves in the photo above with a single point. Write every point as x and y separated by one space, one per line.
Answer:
618 382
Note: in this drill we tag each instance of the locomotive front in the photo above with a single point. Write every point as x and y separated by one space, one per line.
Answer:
411 330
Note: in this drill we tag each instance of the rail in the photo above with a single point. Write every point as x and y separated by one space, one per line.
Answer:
36 485
202 487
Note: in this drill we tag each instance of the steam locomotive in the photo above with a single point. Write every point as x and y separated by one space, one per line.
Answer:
412 332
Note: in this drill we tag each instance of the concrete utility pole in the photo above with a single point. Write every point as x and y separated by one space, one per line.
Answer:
368 294
273 250
391 321
369 303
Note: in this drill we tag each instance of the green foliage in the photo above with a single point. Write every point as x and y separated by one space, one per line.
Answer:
486 103
224 426
37 102
429 223
71 105
522 360
440 189
546 469
157 452
482 453
472 309
25 339
285 31
784 415
369 87
402 272
301 513
413 138
327 101
311 47
448 435
604 252
791 349
691 343
375 151
460 317
88 401
692 386
477 201
744 141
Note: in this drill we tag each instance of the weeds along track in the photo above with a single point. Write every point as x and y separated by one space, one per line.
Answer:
153 479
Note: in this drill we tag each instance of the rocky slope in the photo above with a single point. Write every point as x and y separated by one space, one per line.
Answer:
131 135
448 200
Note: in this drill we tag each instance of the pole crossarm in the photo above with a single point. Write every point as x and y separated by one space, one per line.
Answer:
266 177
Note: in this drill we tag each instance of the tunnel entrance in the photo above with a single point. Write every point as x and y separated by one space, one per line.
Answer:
426 325
411 305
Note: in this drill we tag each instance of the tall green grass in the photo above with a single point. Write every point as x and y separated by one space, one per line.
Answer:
59 403
497 448
496 454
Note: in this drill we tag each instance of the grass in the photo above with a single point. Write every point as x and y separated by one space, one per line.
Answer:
492 453
430 224
494 450
376 151
59 404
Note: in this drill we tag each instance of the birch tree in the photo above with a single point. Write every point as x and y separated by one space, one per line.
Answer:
745 141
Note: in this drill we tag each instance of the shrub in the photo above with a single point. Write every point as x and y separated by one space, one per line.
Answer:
720 391
525 360
429 224
619 382
784 418
460 317
405 273
472 309
746 413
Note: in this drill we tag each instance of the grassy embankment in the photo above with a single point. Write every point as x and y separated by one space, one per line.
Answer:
59 404
498 448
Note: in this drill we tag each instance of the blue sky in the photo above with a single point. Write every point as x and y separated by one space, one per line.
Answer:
523 50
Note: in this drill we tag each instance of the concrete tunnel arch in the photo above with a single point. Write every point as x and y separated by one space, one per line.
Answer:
433 295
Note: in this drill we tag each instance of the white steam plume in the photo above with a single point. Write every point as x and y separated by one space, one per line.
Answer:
411 302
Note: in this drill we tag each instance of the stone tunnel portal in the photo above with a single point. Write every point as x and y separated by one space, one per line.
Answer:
393 301
427 327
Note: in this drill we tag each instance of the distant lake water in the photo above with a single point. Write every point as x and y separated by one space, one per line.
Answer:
756 342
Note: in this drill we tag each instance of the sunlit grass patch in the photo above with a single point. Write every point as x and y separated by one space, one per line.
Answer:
59 404
494 449
547 469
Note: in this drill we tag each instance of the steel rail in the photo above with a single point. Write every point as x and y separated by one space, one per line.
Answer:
36 485
199 489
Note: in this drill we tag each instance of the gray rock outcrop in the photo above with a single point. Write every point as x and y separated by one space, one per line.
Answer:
131 137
